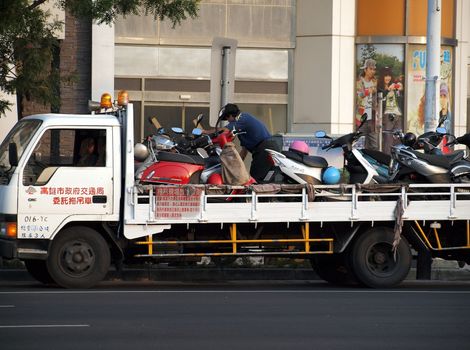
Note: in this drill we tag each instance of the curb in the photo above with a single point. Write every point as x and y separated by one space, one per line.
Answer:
227 274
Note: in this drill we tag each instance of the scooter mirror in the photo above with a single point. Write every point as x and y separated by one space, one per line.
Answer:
177 130
199 118
320 134
13 154
197 132
202 153
441 130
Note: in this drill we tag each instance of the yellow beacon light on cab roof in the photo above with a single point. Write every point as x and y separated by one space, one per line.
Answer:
106 101
123 98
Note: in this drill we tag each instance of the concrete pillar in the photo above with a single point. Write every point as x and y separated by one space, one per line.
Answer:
323 83
102 61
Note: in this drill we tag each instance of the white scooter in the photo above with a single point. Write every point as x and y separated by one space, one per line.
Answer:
297 166
364 166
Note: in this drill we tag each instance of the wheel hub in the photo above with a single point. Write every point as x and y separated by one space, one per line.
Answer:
379 258
77 258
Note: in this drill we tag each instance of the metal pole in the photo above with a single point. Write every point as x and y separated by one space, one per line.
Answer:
379 121
433 60
225 78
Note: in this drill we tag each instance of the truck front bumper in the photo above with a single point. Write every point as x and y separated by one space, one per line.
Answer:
23 249
8 248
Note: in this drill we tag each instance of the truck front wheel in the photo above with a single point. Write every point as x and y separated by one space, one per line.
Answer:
79 258
334 269
38 270
375 263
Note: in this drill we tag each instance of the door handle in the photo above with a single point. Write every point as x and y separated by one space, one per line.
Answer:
99 199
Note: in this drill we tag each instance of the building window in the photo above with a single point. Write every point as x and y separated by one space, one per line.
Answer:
380 91
64 148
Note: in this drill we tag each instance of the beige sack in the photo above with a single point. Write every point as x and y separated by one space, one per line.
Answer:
233 169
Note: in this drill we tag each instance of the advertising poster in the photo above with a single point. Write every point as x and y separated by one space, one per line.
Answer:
380 86
416 88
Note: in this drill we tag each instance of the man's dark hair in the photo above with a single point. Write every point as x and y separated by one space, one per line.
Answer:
228 110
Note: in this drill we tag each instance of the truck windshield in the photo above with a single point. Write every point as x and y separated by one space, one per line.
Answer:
21 135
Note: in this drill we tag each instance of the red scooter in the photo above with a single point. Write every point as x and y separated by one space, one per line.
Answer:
166 166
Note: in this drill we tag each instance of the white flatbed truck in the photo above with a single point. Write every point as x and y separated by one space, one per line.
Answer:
69 222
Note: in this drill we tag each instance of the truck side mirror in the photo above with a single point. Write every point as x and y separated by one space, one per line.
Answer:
13 154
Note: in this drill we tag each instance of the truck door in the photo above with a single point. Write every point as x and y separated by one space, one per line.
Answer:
68 173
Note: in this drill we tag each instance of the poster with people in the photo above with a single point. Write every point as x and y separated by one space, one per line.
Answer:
380 93
416 88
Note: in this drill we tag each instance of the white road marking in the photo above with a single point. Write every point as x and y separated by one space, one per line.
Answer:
45 326
6 306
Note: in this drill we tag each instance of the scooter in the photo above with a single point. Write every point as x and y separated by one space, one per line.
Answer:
177 159
364 166
297 166
184 159
431 168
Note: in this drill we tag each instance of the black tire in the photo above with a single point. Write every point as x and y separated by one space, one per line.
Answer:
79 258
38 270
334 269
374 262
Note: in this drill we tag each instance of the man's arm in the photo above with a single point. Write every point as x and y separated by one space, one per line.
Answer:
212 130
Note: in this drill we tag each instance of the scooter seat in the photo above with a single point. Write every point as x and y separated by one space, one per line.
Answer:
381 157
311 161
455 156
443 161
180 158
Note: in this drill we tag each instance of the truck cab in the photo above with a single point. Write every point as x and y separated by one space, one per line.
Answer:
58 173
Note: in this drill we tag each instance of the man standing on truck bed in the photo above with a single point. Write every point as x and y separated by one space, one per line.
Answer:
255 138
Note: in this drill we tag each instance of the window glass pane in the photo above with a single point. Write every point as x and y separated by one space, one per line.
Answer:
260 24
380 88
90 147
262 64
64 147
184 62
191 113
273 116
209 23
167 116
380 17
135 60
135 28
21 135
416 62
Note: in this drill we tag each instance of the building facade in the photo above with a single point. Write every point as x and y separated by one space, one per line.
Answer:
332 50
297 61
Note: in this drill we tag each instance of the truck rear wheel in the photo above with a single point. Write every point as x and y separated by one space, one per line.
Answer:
374 262
38 270
79 258
334 269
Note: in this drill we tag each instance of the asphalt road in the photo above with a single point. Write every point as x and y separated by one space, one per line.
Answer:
235 315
